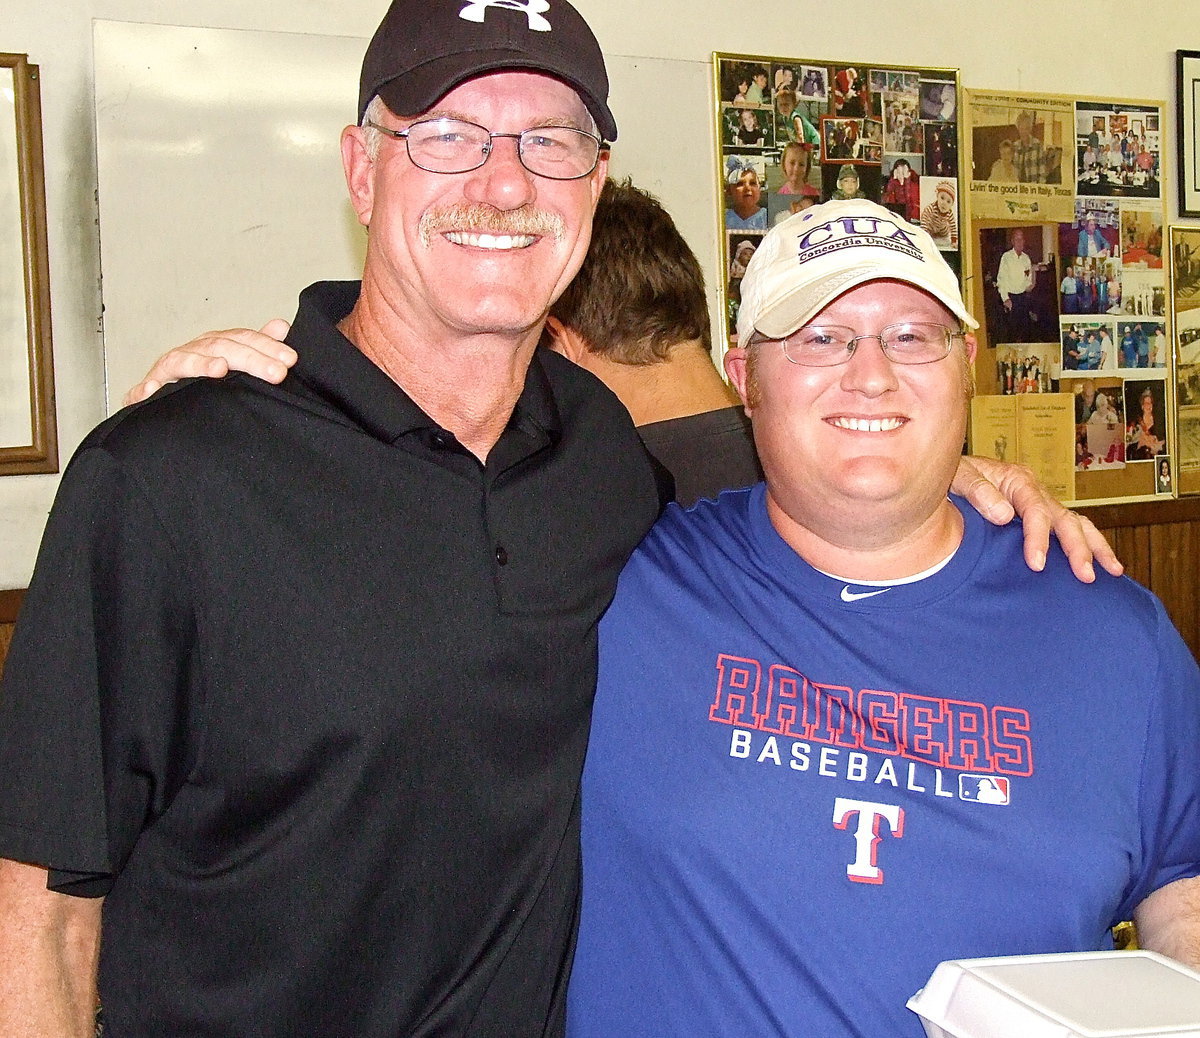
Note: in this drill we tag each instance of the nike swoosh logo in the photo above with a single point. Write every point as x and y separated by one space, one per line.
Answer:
854 596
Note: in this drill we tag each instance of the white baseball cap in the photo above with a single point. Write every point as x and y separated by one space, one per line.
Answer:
806 261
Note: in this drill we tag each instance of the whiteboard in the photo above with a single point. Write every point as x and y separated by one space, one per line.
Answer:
220 186
220 183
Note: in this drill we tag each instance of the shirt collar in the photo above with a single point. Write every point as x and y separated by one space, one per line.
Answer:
335 369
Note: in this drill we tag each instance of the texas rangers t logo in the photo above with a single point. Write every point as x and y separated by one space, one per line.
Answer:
534 9
865 867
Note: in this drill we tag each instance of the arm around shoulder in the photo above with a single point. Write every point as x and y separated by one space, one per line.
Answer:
49 948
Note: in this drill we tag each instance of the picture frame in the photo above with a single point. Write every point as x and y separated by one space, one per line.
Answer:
834 129
1069 262
28 427
1187 94
1183 244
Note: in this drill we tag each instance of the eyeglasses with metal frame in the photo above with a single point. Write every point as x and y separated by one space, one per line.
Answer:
456 146
829 345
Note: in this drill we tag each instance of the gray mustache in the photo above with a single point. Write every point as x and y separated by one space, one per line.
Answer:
485 219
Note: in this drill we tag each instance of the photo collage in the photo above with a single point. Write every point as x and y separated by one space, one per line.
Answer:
795 132
1071 288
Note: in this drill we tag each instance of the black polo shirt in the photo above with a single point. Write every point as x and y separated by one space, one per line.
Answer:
303 688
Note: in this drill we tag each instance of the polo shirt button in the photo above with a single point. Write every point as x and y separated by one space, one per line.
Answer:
501 555
440 440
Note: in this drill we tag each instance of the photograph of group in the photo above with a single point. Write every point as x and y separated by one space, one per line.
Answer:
1066 217
793 132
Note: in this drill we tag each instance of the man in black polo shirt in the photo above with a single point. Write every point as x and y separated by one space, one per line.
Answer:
299 699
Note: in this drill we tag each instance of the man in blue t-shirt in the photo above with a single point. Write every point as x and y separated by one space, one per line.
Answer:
840 734
1129 348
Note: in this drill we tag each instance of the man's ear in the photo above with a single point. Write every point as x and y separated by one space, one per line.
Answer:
360 172
566 341
736 370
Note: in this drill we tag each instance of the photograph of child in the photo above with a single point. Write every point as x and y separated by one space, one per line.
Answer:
1162 477
791 123
850 180
780 207
744 83
939 211
745 208
745 127
902 187
742 252
795 173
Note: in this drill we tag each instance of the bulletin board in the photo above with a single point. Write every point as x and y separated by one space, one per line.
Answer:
792 132
1075 367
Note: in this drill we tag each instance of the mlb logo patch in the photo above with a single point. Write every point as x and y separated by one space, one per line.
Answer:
983 789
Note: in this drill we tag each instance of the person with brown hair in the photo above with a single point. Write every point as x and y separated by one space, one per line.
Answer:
636 316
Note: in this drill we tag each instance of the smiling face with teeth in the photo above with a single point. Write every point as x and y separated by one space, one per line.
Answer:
858 456
477 253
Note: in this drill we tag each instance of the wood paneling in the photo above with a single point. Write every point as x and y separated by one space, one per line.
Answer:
1132 545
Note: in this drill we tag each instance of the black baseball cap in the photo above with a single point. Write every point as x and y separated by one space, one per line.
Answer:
424 48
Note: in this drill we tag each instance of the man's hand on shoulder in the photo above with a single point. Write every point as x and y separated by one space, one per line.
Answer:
262 354
999 491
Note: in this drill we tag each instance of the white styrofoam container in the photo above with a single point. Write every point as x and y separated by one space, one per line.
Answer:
1127 994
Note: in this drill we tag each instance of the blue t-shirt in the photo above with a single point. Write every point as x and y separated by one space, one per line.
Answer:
1129 350
801 794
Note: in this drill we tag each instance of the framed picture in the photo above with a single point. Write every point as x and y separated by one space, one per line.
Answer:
1068 259
795 131
1187 85
1184 246
28 431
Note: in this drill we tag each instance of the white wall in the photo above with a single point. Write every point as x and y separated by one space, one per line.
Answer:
1105 47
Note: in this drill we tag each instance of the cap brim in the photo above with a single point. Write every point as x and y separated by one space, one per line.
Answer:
421 88
796 308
